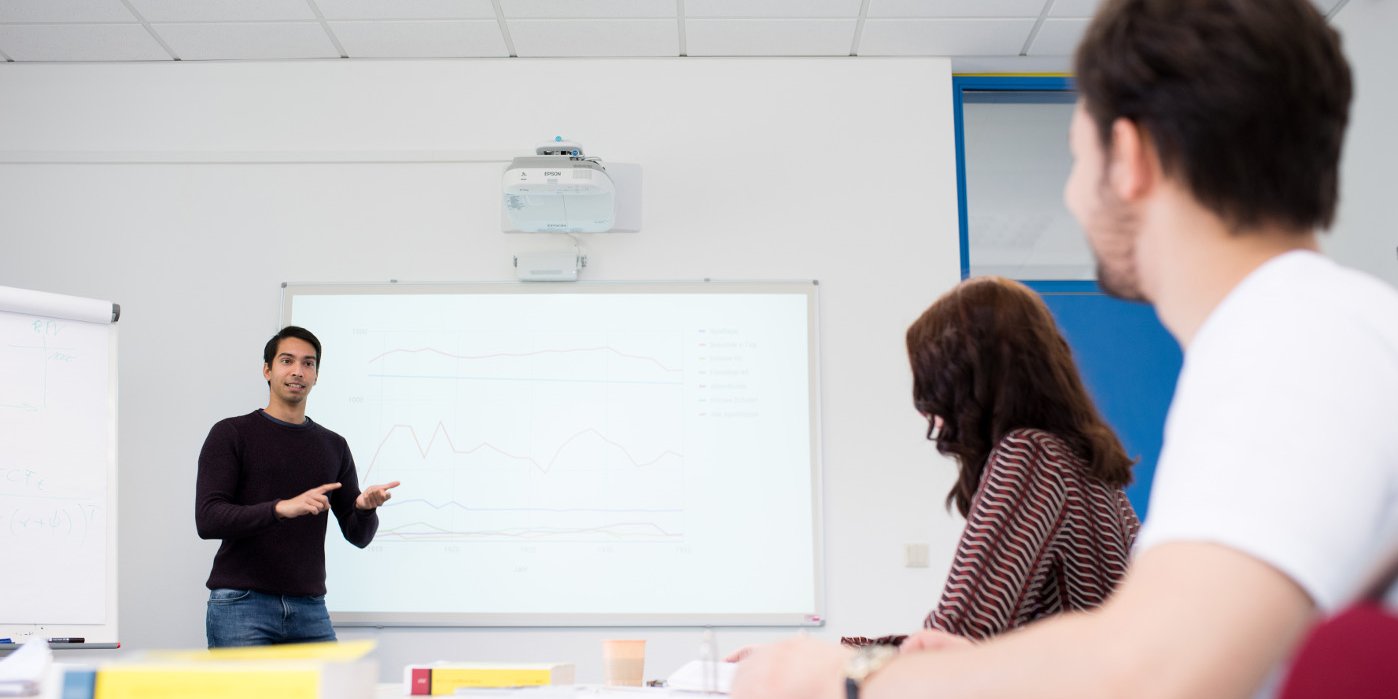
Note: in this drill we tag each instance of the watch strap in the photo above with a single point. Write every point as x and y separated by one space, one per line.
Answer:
865 662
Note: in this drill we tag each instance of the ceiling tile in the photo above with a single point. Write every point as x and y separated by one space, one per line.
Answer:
247 40
600 9
419 39
64 11
80 42
595 37
1074 8
956 8
223 10
406 9
944 37
769 37
1058 37
1325 6
1012 64
771 8
1088 8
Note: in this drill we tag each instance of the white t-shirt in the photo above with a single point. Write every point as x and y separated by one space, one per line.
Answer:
1282 439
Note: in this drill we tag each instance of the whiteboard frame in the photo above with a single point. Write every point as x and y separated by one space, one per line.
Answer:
810 288
104 635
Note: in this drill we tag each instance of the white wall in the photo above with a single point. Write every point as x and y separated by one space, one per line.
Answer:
1365 235
835 169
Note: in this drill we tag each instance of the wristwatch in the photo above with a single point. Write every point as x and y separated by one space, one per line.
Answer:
863 664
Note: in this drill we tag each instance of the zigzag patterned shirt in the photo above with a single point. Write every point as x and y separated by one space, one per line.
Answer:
1041 538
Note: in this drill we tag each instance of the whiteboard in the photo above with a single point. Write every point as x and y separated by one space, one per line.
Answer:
58 463
575 454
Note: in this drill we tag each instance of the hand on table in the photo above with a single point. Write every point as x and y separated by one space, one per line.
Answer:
931 639
799 668
741 654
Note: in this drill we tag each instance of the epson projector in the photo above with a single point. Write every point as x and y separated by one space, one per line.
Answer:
563 193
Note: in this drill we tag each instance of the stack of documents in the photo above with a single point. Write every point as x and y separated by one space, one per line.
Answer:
447 677
708 676
301 671
23 671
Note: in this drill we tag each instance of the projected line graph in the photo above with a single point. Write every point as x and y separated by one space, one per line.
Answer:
542 466
454 377
654 526
423 521
508 434
585 487
420 520
636 532
531 353
517 359
468 508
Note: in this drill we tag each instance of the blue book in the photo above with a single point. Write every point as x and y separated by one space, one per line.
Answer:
79 683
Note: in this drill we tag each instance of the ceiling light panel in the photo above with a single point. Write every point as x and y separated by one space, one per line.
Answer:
406 9
80 42
223 10
421 39
769 37
248 40
64 11
772 8
944 37
595 37
955 8
1058 37
1074 8
596 9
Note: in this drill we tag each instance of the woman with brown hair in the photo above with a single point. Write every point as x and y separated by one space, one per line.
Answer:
1048 525
1041 476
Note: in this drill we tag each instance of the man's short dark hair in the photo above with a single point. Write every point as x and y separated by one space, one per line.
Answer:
297 332
1244 101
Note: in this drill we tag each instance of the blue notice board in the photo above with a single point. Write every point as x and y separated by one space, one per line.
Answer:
1127 359
1129 363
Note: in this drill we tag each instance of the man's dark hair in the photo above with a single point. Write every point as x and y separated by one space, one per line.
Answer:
297 332
1244 101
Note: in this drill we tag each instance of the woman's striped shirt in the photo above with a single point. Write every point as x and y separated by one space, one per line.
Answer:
1042 538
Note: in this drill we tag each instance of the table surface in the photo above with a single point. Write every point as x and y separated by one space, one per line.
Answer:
385 690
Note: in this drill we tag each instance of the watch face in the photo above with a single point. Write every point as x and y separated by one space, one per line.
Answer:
867 661
857 667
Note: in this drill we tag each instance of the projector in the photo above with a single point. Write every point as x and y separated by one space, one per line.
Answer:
559 190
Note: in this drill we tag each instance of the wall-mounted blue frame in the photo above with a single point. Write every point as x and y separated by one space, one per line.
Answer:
1127 359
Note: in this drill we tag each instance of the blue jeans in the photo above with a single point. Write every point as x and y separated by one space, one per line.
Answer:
248 618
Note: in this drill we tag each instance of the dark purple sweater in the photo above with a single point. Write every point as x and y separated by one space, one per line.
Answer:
249 463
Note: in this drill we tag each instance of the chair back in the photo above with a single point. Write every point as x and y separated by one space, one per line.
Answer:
1353 655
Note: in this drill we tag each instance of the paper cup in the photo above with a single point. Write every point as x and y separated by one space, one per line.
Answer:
623 662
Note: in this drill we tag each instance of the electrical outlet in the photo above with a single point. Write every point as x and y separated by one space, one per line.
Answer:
915 555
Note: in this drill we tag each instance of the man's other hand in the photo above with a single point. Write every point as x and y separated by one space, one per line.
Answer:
375 495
